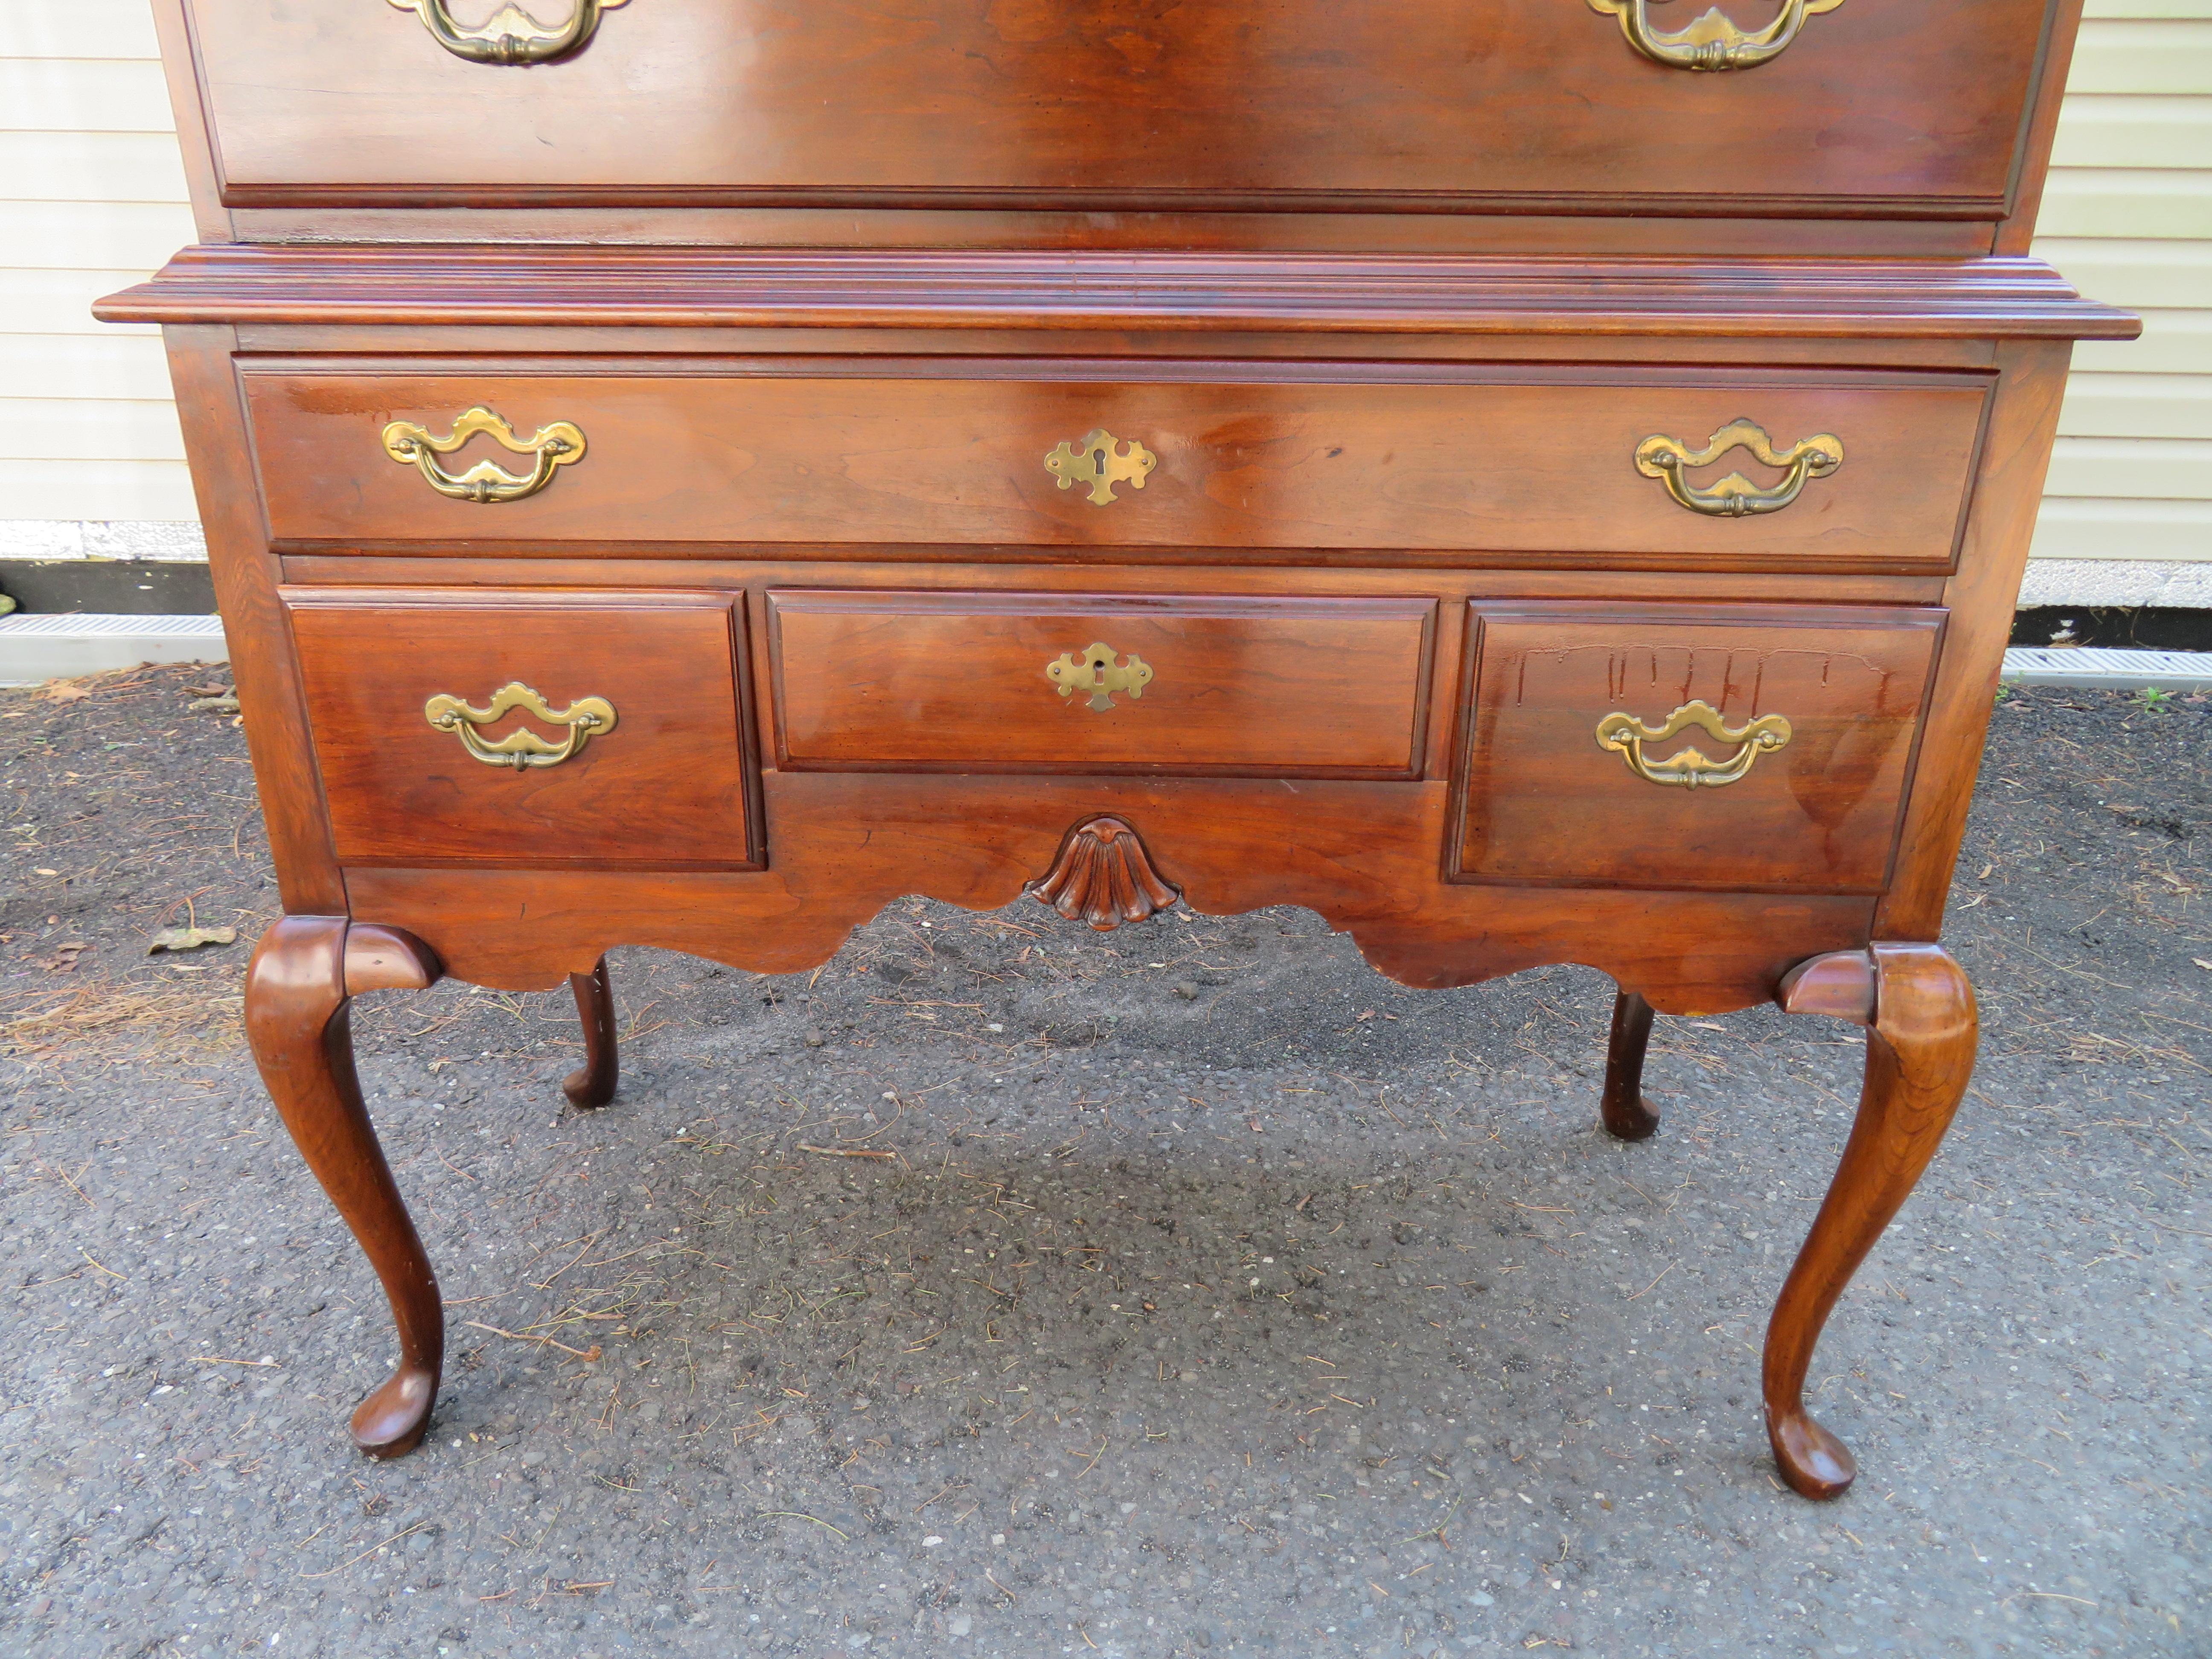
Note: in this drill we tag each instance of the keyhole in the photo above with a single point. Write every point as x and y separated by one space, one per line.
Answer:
1098 461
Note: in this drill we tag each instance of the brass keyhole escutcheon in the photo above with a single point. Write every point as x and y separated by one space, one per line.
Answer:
1097 672
1101 460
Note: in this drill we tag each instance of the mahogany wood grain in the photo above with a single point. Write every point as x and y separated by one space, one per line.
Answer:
296 1021
1430 301
211 220
2008 493
907 680
1039 232
592 1084
1841 987
1536 459
1883 107
1104 876
1361 855
1920 1054
1129 572
2031 164
245 577
1626 1114
1545 801
666 788
385 959
393 344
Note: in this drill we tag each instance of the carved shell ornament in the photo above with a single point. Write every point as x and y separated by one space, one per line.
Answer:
1103 877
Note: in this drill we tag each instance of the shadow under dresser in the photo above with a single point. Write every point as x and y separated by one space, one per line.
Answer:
1528 484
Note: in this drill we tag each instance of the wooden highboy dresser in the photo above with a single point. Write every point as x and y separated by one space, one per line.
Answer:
1532 481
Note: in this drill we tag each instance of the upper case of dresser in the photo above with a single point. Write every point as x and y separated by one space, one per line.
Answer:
1492 120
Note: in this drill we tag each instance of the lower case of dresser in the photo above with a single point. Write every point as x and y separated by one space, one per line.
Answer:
1391 862
1364 856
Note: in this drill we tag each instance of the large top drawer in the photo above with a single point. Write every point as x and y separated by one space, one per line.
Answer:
1782 467
1896 107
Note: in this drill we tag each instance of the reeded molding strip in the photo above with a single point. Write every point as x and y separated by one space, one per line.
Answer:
418 285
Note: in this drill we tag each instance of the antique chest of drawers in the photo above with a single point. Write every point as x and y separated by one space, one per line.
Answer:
1588 455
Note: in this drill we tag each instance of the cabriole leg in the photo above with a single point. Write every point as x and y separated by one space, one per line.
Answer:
297 989
592 1084
1922 1027
1624 1110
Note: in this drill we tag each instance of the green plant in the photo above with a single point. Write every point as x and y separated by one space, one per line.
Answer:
2152 698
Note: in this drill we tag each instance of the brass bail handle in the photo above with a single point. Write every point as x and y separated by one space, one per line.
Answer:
521 750
512 36
1711 43
1735 496
1693 768
552 446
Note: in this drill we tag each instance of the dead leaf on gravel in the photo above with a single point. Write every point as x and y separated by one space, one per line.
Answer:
64 691
190 939
2201 962
223 705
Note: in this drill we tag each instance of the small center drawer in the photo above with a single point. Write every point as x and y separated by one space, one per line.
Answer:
1307 687
522 729
1742 747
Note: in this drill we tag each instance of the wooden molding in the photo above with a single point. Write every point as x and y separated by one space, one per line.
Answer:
435 285
1103 876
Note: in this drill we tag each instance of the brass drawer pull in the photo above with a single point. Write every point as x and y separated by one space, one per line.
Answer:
512 35
1099 461
1735 496
555 446
1693 768
1711 42
522 749
1095 671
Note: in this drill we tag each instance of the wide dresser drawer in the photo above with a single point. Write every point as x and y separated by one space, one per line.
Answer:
1847 108
1740 468
524 729
1276 686
1742 747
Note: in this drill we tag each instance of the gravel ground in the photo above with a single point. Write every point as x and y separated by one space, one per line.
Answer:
1219 1296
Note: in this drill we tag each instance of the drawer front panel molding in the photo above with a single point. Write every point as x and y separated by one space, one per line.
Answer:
1537 461
511 729
1876 106
1316 687
1765 748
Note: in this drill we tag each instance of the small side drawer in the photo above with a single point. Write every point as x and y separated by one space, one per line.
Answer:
1576 767
522 729
903 681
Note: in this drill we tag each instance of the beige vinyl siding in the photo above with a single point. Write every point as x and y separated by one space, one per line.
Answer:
91 198
2128 217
